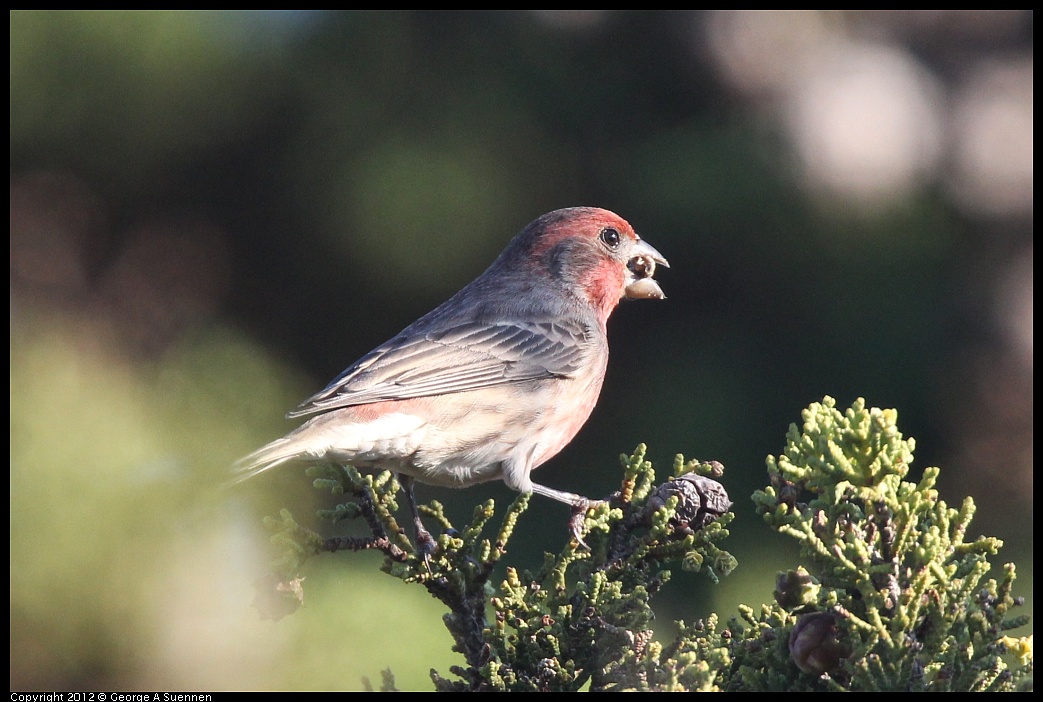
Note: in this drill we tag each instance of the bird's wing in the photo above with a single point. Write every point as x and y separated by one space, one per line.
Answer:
463 357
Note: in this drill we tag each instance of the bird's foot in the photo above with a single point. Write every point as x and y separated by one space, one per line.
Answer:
579 513
425 544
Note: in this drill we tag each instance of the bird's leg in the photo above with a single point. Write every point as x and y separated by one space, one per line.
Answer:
425 543
579 505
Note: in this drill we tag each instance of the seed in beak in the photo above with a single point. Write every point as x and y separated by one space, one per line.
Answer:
642 266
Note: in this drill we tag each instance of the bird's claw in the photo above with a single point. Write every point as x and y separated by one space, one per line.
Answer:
579 513
425 546
576 527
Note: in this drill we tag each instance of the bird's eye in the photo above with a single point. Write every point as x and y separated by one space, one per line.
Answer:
611 237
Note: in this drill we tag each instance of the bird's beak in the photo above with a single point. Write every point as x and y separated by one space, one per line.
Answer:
640 269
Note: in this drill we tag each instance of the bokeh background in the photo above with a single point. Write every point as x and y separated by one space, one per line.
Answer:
213 213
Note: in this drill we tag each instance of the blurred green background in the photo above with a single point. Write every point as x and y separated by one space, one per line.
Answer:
214 213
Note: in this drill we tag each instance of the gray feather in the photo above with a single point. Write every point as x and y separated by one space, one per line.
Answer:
463 357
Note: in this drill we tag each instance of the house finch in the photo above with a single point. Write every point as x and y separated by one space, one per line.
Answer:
495 381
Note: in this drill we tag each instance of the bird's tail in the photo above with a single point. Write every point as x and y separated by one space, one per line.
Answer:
276 453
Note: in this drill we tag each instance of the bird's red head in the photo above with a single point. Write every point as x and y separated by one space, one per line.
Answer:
596 254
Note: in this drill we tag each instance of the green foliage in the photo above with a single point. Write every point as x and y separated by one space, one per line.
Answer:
577 620
893 587
891 595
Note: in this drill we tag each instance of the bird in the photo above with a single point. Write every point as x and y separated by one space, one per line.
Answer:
494 382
